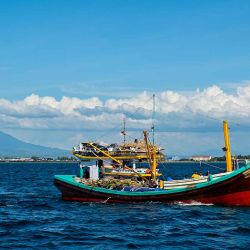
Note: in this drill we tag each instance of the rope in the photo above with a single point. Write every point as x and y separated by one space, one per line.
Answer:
99 156
211 118
212 165
200 165
162 173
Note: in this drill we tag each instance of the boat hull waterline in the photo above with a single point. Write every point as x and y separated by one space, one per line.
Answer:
232 189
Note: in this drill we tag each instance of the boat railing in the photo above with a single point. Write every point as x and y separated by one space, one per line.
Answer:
190 182
237 163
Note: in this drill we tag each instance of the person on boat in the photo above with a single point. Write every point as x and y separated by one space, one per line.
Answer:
152 184
115 165
101 168
86 174
195 175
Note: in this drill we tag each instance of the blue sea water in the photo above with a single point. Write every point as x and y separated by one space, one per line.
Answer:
33 216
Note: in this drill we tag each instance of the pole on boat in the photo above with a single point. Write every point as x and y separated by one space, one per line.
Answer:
81 171
124 131
227 148
154 165
153 120
151 150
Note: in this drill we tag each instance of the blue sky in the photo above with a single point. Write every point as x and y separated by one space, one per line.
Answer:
49 47
118 49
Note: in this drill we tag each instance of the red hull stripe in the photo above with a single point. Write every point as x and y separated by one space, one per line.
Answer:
235 199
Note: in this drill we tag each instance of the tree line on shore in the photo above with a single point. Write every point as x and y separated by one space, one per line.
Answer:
74 159
37 158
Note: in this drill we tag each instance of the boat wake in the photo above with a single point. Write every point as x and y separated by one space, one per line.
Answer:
192 203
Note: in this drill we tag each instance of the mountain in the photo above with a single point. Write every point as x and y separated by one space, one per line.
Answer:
12 147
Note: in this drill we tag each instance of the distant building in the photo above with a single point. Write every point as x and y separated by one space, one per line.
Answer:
201 158
173 158
25 159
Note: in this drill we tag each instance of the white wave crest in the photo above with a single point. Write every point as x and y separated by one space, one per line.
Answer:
192 203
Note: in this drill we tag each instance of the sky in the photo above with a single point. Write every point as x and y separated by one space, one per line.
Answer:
73 70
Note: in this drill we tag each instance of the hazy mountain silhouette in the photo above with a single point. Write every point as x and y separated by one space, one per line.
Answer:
12 147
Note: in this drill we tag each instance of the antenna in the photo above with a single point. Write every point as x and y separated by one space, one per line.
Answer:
124 131
153 120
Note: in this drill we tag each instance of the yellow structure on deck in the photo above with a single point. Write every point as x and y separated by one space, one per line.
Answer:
151 156
137 157
227 148
119 162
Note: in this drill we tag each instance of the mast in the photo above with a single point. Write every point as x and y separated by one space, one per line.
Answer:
154 165
124 131
153 120
227 148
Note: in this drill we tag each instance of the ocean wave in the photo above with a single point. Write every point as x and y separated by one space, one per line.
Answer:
192 203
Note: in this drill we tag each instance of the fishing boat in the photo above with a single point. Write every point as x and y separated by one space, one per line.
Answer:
231 188
120 159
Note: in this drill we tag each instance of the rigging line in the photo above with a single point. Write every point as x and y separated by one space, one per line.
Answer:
118 126
144 178
165 166
204 115
211 118
124 166
211 165
132 137
162 172
106 161
128 136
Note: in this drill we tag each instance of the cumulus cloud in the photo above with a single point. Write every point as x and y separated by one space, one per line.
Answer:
174 111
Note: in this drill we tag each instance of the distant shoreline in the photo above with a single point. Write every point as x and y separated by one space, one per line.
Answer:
191 161
39 161
75 161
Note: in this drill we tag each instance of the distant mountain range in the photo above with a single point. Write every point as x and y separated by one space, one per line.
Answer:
12 147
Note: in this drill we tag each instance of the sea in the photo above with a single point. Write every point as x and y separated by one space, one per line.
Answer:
33 215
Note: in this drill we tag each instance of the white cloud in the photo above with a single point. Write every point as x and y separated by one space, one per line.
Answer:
175 110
